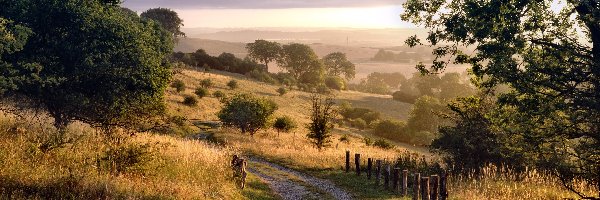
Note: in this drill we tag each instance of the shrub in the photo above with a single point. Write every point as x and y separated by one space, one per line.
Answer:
219 94
281 91
404 97
384 144
190 101
128 158
391 129
284 124
247 112
366 114
179 85
261 76
232 84
206 83
359 123
323 89
345 139
201 92
370 117
368 141
335 83
321 123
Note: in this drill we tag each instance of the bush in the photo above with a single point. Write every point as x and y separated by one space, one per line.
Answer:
179 85
247 112
345 139
190 101
232 84
370 117
359 123
284 124
219 94
206 83
384 144
335 83
201 92
261 76
391 129
323 114
323 89
368 141
365 114
128 158
281 91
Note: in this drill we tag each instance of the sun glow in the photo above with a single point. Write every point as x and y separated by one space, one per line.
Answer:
366 17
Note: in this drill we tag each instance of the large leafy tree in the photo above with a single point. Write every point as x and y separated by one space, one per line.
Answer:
12 39
301 62
337 64
167 18
321 121
263 51
95 63
548 53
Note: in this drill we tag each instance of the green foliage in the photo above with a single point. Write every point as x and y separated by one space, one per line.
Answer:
371 85
262 76
335 83
302 63
424 115
206 83
128 158
232 84
548 54
359 123
368 141
404 97
167 18
384 144
264 51
96 64
281 91
284 124
391 129
402 57
367 115
190 100
336 64
247 112
201 92
179 85
323 114
12 39
219 94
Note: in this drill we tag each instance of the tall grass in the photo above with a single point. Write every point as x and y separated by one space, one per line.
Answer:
179 168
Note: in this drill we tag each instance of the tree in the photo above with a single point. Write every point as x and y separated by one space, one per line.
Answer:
301 62
284 124
337 64
12 39
247 112
263 51
323 114
94 63
537 49
167 18
423 115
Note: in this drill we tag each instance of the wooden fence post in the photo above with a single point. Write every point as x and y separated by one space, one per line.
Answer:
357 161
369 166
404 182
396 180
386 176
435 182
417 186
377 172
347 161
425 188
444 186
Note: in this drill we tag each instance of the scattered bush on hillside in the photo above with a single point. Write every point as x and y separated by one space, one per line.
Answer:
201 92
323 114
368 141
281 91
359 123
261 76
219 94
130 158
206 83
404 97
384 144
284 124
323 89
345 139
232 84
247 112
286 79
179 85
190 101
391 129
368 115
335 83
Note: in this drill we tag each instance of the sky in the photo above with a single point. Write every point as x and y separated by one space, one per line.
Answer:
281 13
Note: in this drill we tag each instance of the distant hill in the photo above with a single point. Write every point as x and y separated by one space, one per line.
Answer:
212 47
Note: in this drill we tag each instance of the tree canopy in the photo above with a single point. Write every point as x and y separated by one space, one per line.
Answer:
337 64
167 18
93 62
548 54
301 62
263 51
247 112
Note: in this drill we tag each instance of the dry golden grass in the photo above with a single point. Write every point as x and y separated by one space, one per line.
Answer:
181 169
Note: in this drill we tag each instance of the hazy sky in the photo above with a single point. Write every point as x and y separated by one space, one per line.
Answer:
281 13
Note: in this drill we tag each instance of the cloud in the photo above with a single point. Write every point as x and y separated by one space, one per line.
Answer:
141 5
